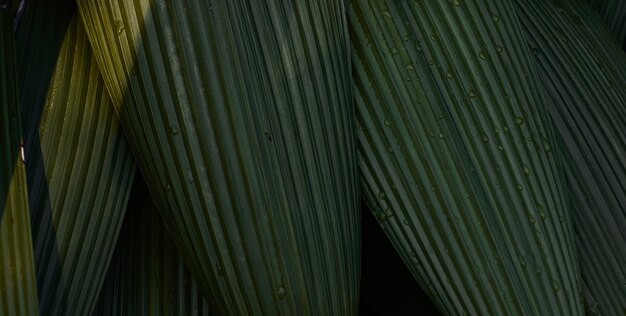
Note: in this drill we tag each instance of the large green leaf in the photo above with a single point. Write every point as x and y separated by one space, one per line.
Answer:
18 292
240 116
80 170
455 150
584 73
147 275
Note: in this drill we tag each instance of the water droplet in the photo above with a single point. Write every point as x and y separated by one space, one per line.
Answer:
532 220
433 37
506 129
519 120
381 195
431 62
381 217
456 3
281 292
526 170
449 74
485 138
535 51
190 177
500 147
542 215
499 49
495 17
220 272
406 222
119 27
441 135
520 187
387 122
496 130
174 130
539 272
388 214
394 50
472 94
409 66
482 55
555 285
432 188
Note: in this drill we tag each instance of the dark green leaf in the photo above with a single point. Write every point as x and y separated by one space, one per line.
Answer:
456 156
240 116
584 72
147 274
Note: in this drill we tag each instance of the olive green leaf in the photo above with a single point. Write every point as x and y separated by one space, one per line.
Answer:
80 170
18 291
456 155
240 116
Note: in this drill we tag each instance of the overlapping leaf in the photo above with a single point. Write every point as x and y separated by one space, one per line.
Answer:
456 156
80 169
240 116
584 72
18 291
147 275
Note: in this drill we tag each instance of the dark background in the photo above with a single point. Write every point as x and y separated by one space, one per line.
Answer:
387 286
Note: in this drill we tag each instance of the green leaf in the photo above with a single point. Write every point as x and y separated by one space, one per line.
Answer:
80 170
147 274
240 116
584 75
455 150
18 291
613 13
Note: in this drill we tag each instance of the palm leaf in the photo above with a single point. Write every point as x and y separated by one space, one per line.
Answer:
240 116
18 292
147 274
80 172
585 78
456 156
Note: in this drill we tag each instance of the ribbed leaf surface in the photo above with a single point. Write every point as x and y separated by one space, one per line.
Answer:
613 13
147 275
18 291
80 183
456 156
240 116
585 78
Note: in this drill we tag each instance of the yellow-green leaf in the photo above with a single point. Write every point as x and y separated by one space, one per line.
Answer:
80 168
